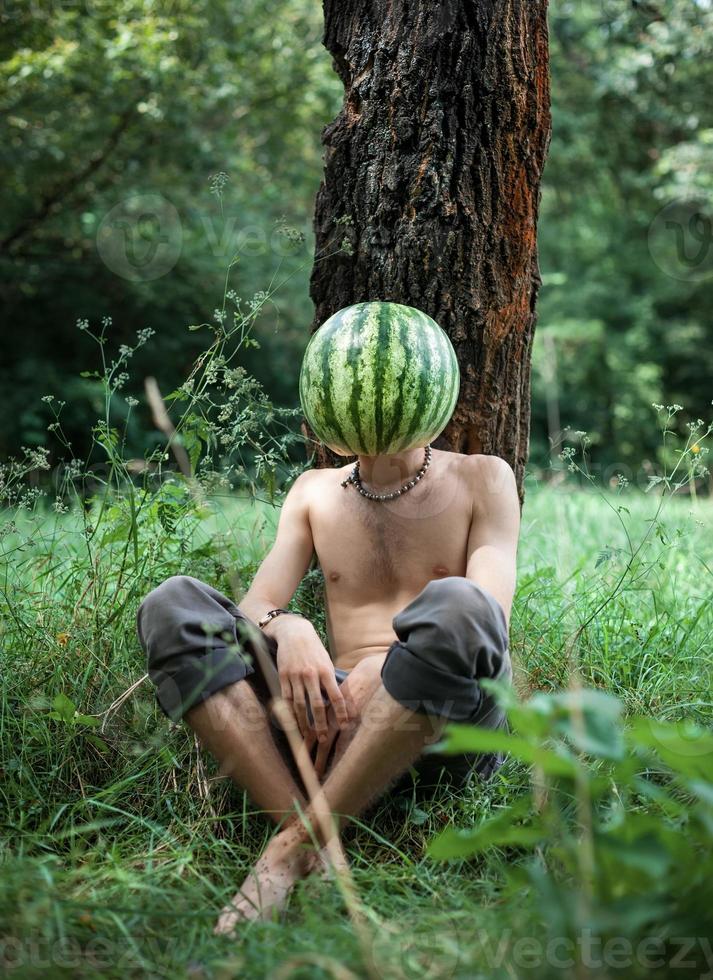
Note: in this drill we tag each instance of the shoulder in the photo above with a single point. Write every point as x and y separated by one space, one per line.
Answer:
312 482
493 471
491 483
304 482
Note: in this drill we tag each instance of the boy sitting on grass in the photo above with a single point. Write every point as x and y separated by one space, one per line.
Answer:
419 587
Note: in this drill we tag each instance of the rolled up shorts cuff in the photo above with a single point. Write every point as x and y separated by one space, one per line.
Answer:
405 677
196 680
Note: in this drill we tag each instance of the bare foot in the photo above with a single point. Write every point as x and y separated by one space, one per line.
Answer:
268 884
322 864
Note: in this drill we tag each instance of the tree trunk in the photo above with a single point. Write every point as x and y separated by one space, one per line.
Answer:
431 190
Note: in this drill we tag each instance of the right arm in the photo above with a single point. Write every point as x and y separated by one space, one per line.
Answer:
304 666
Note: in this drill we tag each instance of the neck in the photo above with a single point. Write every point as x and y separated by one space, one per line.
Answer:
390 470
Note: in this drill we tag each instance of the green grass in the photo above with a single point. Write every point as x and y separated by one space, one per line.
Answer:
114 861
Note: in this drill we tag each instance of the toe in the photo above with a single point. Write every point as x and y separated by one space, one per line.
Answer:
227 921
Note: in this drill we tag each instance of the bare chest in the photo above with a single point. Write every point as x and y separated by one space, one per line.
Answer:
370 550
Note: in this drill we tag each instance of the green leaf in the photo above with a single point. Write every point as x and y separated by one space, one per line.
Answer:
116 532
98 742
703 790
453 843
63 709
473 738
86 720
684 747
499 831
591 720
646 853
193 446
650 790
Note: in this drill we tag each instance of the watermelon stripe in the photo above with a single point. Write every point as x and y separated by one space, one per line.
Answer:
439 405
434 406
366 330
441 411
451 384
412 383
440 386
329 413
354 363
397 408
425 391
382 340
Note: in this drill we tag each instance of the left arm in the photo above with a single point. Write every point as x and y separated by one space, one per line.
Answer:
494 527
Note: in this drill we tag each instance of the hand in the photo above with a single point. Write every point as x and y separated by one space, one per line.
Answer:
357 689
305 669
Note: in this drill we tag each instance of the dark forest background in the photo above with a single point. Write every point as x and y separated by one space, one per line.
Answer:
196 127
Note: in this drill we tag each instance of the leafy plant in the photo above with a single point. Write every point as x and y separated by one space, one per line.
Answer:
618 823
65 711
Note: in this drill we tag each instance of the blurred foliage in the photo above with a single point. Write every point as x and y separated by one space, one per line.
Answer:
626 810
218 107
623 320
103 102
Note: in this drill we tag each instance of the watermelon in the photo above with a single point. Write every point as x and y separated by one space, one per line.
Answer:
378 378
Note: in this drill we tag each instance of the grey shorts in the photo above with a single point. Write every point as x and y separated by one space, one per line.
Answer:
449 637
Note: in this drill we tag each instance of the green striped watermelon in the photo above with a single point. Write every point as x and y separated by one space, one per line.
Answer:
378 378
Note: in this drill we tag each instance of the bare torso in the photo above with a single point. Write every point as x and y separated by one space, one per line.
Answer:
377 556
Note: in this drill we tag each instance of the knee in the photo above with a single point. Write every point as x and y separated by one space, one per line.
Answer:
461 601
455 625
452 635
452 591
171 588
158 608
172 591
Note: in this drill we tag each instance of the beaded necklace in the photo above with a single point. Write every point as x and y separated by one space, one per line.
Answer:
356 480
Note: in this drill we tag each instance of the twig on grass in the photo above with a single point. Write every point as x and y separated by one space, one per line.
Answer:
117 702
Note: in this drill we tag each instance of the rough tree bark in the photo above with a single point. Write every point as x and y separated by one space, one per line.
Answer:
431 180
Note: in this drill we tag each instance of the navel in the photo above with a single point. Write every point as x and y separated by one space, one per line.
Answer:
334 576
440 570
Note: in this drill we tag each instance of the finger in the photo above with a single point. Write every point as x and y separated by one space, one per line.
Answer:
323 749
285 688
331 725
317 705
286 696
337 699
300 707
346 692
